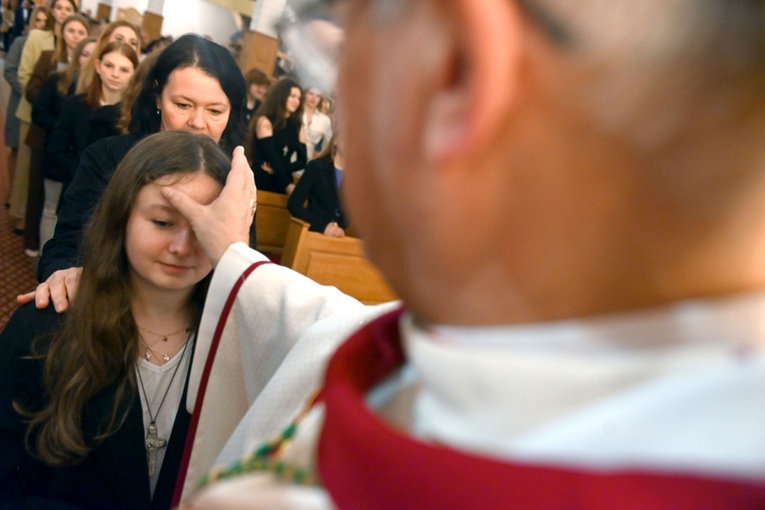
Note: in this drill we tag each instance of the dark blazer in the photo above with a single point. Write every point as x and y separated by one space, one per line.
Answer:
43 68
97 165
77 127
277 151
115 473
45 111
19 23
315 198
47 105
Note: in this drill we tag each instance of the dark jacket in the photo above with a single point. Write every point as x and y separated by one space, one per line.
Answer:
115 473
47 106
44 67
45 111
97 165
77 127
277 151
316 198
19 23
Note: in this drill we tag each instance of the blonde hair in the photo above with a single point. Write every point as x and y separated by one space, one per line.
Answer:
67 77
87 72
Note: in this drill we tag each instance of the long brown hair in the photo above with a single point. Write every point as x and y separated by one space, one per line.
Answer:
50 24
274 108
134 88
89 70
68 76
96 346
94 94
60 54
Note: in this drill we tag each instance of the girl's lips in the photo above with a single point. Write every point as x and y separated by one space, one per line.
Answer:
173 269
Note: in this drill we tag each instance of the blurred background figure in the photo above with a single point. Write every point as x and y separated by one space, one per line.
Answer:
316 197
257 87
317 125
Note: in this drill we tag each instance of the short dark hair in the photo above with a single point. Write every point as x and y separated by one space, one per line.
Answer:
212 59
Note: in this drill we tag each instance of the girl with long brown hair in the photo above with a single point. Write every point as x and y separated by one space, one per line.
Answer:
91 410
84 119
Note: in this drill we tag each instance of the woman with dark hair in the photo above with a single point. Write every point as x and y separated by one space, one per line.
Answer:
99 422
277 138
165 104
84 119
196 86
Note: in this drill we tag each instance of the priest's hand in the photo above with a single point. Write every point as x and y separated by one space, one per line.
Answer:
227 219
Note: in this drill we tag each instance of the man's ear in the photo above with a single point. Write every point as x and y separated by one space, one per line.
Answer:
478 81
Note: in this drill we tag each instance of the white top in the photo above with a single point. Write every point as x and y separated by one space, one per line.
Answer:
679 387
156 380
319 128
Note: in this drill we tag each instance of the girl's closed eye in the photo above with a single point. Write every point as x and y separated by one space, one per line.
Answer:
162 223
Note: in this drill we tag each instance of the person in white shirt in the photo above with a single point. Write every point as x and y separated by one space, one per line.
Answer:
317 125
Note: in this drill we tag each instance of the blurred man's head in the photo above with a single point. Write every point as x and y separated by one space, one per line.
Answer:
520 160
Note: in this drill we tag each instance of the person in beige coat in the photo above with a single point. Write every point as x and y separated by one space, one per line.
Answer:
37 42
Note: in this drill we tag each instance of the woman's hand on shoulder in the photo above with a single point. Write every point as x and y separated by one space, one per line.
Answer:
60 288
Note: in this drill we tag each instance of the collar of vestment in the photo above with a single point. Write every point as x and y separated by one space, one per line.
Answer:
366 463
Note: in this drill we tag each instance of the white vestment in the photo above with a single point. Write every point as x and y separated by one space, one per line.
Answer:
280 331
678 388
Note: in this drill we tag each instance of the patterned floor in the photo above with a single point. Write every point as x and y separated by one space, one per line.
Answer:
16 269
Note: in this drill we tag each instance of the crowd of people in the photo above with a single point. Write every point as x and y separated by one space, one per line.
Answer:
567 198
68 93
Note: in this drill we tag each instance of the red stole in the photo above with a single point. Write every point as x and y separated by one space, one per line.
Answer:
366 464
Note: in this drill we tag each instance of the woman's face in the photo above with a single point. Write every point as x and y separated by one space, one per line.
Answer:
128 36
73 33
258 90
40 20
115 70
87 51
160 244
62 10
195 102
293 101
312 98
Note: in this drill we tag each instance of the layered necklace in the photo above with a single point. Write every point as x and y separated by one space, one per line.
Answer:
153 442
163 338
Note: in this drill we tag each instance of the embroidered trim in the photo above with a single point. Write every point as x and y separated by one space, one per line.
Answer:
265 458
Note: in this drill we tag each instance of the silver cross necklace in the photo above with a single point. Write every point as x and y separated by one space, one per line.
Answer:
153 442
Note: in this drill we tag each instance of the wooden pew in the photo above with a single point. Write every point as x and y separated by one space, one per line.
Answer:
339 262
272 222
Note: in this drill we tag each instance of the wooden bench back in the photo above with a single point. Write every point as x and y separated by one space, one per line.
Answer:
272 222
339 262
